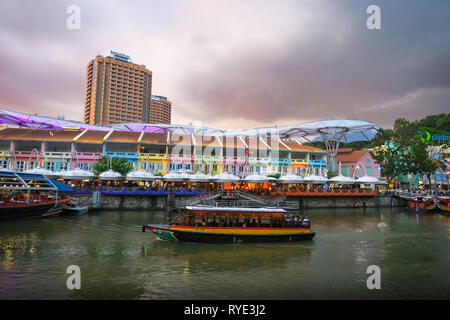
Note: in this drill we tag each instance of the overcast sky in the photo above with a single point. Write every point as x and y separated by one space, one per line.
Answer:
236 64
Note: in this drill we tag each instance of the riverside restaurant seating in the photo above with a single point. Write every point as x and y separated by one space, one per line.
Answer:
302 190
137 191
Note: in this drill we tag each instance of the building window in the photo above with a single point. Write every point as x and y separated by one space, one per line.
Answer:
377 171
368 161
345 170
369 171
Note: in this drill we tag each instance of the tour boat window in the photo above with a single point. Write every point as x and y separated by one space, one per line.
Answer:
211 221
265 222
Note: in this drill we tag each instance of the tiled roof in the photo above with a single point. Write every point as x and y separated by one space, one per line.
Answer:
276 144
123 136
154 138
233 142
350 155
254 143
38 134
212 141
295 146
185 139
92 137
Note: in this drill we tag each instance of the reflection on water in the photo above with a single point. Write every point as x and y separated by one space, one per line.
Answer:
118 261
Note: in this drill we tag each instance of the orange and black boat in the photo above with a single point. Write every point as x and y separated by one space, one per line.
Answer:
224 224
444 205
422 204
27 195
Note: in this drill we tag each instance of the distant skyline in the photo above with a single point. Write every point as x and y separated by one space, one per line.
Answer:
236 64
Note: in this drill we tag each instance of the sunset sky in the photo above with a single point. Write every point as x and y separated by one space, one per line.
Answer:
236 64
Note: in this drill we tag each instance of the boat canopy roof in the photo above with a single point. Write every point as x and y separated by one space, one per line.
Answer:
234 209
12 180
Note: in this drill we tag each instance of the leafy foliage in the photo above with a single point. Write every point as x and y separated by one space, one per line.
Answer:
120 165
402 150
331 174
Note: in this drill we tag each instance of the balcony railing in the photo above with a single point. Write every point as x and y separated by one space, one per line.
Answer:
127 155
234 160
317 163
263 161
57 155
208 159
88 156
279 162
26 154
299 161
178 158
152 156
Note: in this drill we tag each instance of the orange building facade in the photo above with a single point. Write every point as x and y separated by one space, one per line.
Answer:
117 91
160 110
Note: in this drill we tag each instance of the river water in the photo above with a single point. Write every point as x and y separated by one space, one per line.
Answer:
118 261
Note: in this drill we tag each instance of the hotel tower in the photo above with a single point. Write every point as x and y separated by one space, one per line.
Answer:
117 91
160 110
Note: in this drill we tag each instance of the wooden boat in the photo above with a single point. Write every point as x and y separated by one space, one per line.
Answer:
25 195
444 205
225 224
422 204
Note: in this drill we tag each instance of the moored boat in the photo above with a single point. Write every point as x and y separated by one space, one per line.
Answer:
444 205
26 195
225 224
422 204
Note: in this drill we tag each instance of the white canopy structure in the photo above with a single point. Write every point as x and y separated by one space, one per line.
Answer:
315 179
77 174
332 131
256 178
110 175
140 175
176 176
368 180
340 179
40 170
226 177
290 178
200 177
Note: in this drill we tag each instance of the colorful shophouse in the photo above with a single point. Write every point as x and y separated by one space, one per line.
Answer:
157 152
359 160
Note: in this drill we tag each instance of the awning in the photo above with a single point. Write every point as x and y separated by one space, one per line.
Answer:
62 187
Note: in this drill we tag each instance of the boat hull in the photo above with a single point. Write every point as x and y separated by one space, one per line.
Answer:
444 206
230 235
423 206
39 210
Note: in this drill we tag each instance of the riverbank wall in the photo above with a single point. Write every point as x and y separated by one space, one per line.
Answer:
114 202
349 202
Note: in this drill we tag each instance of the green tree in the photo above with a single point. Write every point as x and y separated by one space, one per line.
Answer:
392 148
391 159
275 175
420 161
121 165
331 174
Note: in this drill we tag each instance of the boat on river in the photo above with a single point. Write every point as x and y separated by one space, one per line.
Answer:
444 205
424 204
228 224
27 195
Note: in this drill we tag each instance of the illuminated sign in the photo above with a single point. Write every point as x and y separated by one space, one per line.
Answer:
426 136
155 98
120 56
